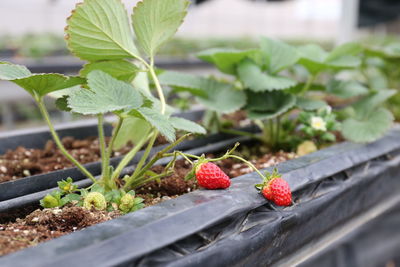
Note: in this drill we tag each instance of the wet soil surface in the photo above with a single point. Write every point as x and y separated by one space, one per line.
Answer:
23 162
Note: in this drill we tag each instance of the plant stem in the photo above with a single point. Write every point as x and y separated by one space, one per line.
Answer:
247 163
309 82
102 141
113 137
155 158
58 142
278 129
242 133
158 86
145 155
128 157
144 181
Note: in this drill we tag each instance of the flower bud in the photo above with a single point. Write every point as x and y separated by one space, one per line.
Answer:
49 202
95 200
127 202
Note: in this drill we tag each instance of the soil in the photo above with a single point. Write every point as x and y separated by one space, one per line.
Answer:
23 162
46 224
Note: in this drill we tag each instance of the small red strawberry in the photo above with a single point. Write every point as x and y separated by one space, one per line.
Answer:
210 176
281 192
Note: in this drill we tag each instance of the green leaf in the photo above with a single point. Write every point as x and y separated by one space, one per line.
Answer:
120 69
106 94
369 128
9 72
309 104
268 105
344 50
315 59
133 129
42 84
278 55
62 104
184 82
222 97
157 120
217 96
36 84
346 89
253 78
226 60
155 22
100 30
371 102
186 125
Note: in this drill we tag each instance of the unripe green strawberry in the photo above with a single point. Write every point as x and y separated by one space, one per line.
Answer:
127 202
95 200
210 176
282 196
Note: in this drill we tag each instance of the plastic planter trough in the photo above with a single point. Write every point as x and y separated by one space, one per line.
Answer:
238 227
37 138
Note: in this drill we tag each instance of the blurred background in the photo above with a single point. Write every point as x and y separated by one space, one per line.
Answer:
31 33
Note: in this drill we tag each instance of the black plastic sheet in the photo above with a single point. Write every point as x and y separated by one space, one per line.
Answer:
237 226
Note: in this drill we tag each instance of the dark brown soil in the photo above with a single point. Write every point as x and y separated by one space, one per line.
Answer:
46 224
43 225
23 162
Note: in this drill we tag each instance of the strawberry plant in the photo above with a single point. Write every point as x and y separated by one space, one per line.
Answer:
272 82
115 80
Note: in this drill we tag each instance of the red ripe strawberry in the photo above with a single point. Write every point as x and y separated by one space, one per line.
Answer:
267 193
210 176
281 192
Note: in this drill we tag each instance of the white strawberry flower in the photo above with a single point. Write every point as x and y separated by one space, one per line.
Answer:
318 123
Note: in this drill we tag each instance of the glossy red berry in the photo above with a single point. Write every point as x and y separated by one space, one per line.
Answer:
282 196
210 176
267 193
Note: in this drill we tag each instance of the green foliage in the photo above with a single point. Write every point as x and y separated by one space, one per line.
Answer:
157 120
36 84
100 30
367 128
226 60
155 22
309 104
256 80
278 55
268 105
215 95
106 94
346 89
186 125
315 59
120 69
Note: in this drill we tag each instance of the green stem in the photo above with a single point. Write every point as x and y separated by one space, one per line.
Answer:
155 158
58 142
248 163
278 129
113 137
128 157
144 181
308 84
145 155
102 141
158 86
242 133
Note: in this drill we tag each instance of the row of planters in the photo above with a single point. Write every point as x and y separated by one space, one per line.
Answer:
280 103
